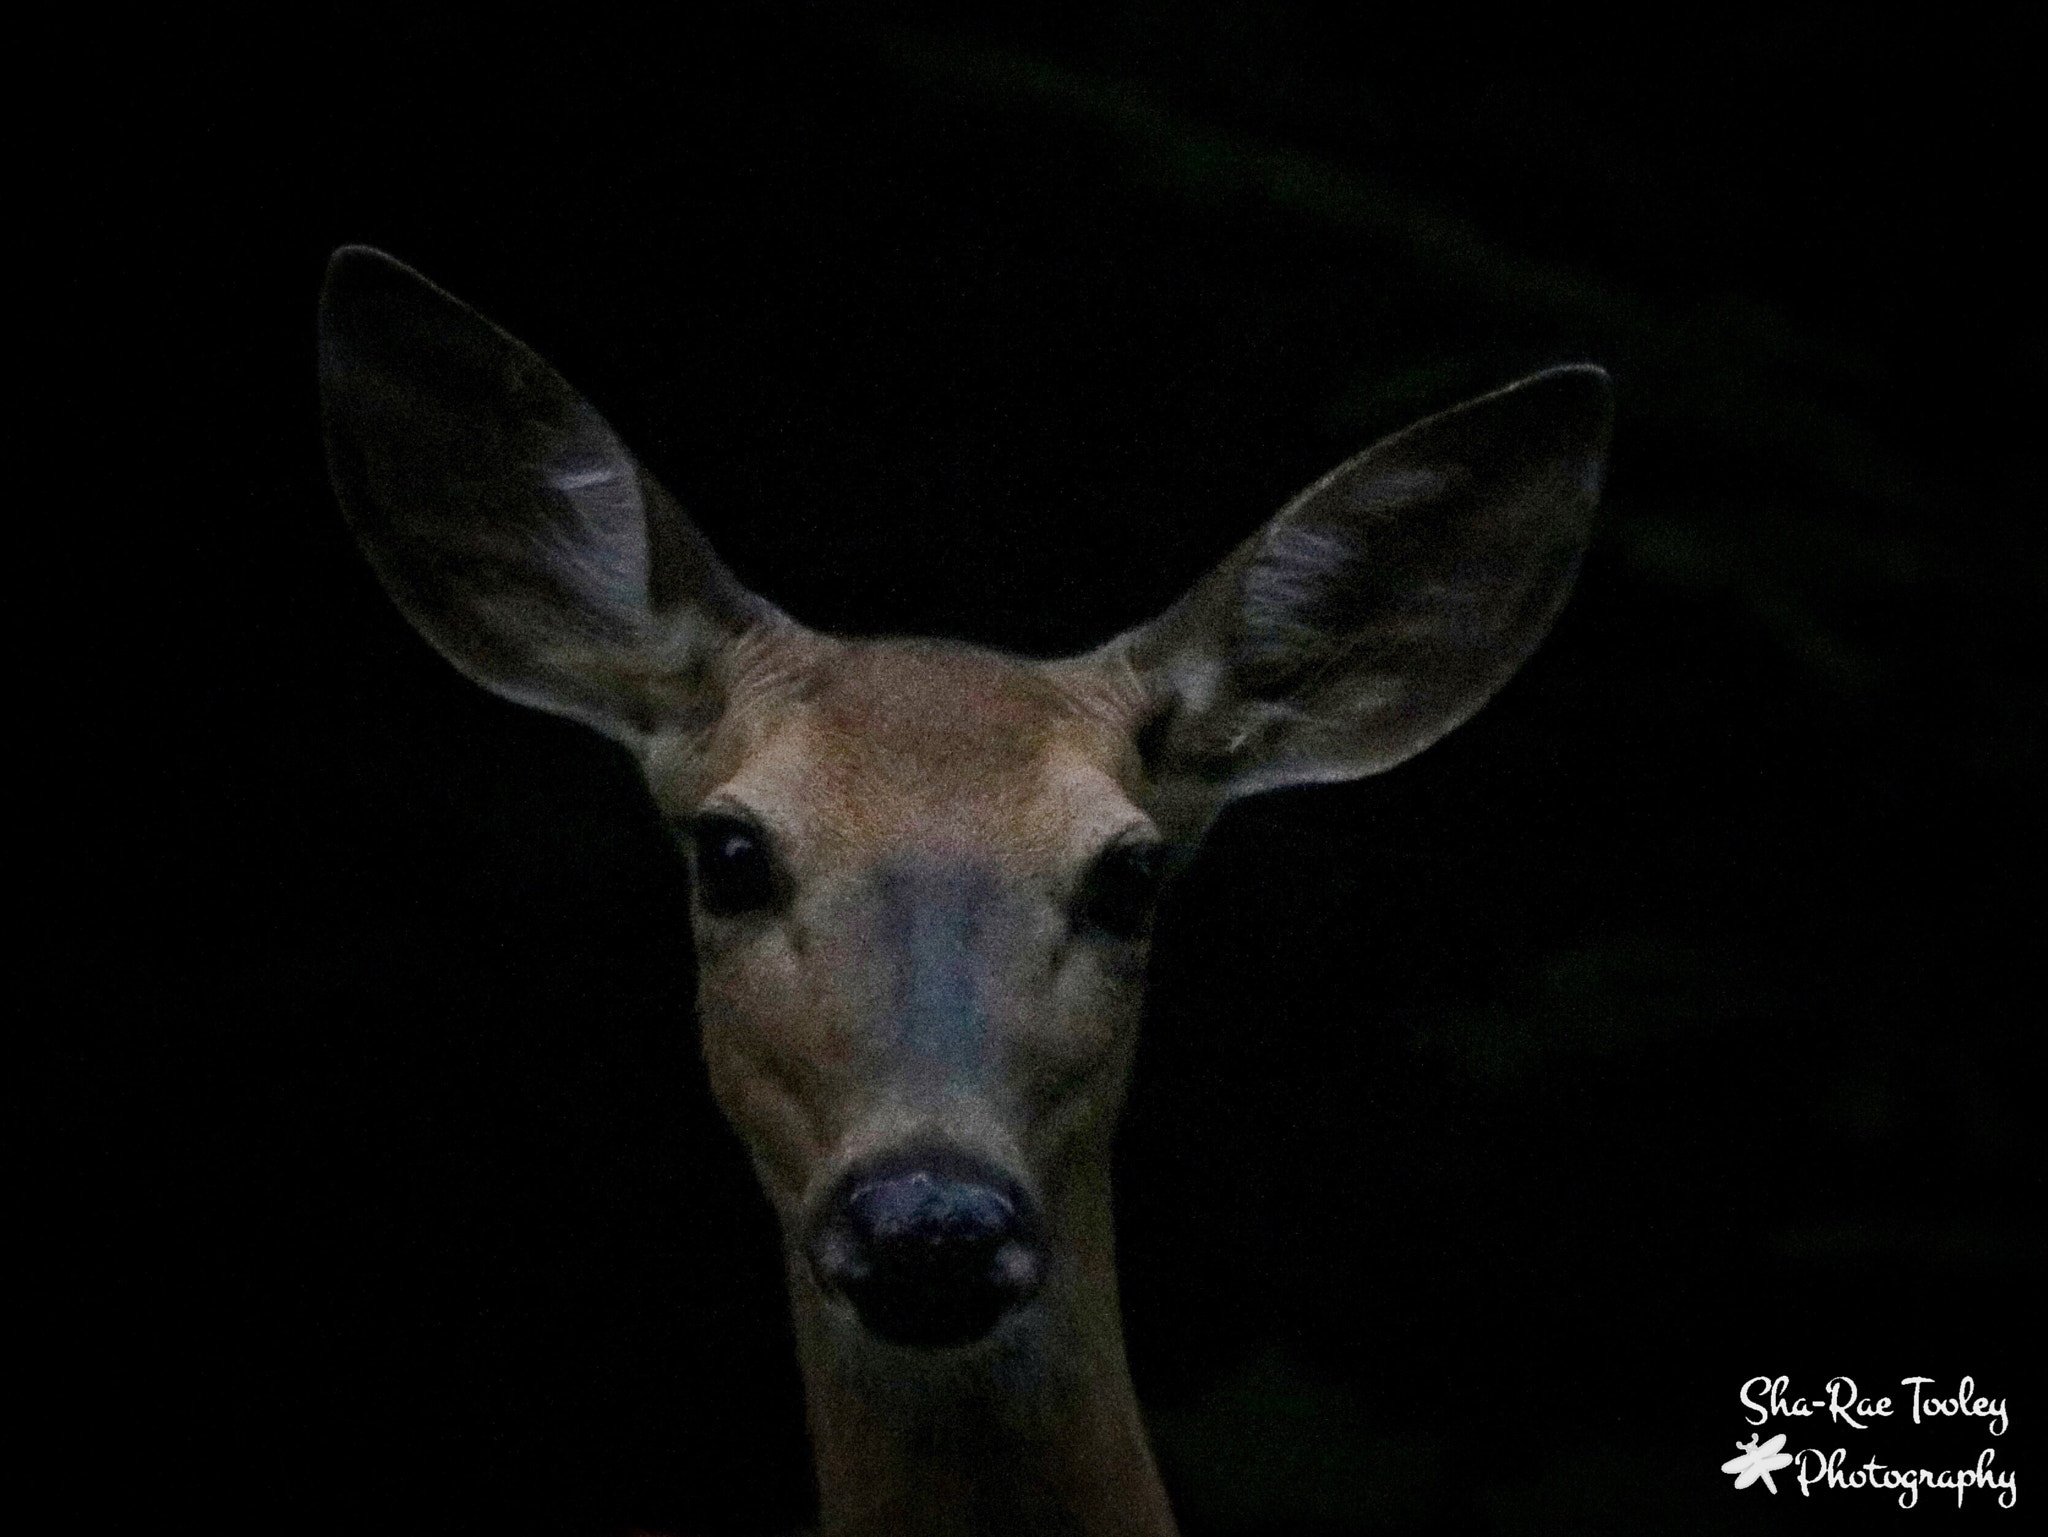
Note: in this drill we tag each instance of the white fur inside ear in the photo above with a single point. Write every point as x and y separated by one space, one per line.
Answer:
603 551
1289 586
1295 566
593 470
1320 545
571 479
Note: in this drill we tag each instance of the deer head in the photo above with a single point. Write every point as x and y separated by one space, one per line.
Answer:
924 873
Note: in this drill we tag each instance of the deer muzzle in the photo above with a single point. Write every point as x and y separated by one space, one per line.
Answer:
932 1248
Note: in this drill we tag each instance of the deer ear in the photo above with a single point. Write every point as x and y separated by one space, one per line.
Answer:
504 516
1378 609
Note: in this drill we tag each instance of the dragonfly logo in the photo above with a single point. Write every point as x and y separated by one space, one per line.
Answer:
1907 1473
1757 1462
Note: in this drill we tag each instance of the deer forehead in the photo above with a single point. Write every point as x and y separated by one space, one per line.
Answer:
886 750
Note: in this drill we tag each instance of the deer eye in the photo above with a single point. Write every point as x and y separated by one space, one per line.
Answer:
1120 890
735 872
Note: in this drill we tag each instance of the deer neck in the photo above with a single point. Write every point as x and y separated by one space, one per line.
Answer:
1034 1431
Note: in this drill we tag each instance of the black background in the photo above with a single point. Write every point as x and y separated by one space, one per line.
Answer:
1495 1119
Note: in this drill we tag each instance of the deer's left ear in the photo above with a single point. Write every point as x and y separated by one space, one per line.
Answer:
1378 609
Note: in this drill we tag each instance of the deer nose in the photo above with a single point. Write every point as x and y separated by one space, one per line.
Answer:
932 1252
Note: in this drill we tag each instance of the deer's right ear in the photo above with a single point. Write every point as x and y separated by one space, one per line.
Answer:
1379 608
505 517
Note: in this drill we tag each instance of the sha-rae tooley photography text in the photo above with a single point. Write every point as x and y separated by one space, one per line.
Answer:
1843 1406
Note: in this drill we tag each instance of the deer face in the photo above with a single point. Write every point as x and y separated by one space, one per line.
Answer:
923 894
923 873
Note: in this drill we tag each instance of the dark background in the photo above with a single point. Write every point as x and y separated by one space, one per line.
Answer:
1495 1119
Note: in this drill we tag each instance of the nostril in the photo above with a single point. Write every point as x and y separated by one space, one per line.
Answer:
927 1258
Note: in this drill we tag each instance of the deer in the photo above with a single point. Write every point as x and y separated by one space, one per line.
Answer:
923 873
